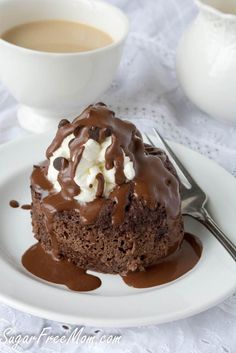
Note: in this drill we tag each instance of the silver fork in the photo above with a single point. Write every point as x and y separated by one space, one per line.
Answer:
194 200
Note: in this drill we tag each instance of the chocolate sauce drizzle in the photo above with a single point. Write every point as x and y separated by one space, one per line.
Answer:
26 207
14 204
154 184
45 266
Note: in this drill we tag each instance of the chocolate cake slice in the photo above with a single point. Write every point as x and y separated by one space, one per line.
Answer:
103 199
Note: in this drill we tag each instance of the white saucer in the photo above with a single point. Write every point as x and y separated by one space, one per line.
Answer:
114 304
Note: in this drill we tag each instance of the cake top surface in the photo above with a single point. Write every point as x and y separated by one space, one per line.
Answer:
99 157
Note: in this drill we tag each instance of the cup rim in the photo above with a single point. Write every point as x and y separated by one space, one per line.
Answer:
202 5
82 53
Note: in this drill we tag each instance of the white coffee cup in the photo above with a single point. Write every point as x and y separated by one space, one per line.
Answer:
50 86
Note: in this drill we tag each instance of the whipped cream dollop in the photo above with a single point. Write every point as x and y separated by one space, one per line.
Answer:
91 164
64 152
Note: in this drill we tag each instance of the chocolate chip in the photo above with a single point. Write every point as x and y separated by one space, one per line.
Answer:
60 163
63 122
94 133
108 132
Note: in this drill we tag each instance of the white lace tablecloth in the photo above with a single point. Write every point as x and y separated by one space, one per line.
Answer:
147 91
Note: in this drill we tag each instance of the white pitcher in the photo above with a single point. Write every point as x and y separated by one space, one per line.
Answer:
206 59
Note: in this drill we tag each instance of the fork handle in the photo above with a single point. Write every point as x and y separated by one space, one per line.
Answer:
211 225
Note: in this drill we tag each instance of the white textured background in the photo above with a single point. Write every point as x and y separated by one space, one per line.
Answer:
146 90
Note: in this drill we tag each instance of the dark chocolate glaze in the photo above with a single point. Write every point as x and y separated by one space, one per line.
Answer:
45 266
40 183
154 184
14 204
171 267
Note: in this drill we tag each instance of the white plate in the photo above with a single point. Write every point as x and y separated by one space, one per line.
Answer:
114 303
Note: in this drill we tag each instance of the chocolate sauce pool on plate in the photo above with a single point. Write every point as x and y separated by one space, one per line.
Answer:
45 266
169 268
